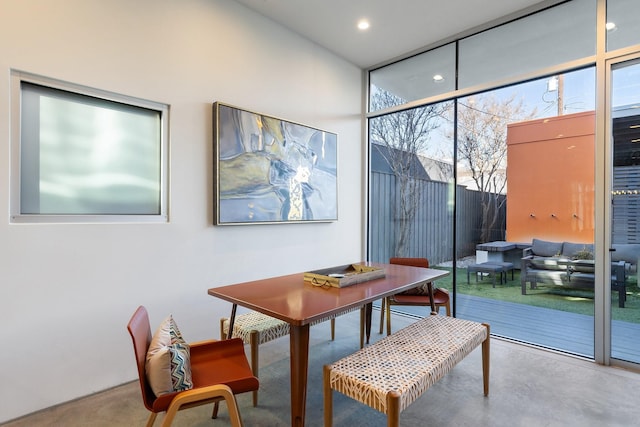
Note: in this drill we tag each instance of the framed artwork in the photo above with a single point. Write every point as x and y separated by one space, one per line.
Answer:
269 170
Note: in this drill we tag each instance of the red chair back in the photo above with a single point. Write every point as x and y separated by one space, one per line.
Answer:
411 262
140 331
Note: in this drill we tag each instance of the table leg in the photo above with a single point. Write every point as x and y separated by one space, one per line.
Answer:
362 326
232 320
431 301
299 355
368 313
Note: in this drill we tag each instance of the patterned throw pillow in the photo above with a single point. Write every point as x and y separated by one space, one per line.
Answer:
168 363
180 367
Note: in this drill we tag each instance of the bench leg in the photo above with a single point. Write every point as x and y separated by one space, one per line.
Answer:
486 360
393 409
327 396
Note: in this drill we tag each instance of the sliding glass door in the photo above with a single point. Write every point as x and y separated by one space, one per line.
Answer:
527 151
624 129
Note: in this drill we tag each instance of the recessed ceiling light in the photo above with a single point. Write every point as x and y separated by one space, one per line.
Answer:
438 78
610 26
363 24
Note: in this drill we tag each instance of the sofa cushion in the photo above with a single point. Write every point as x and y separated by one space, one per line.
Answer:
627 252
546 248
583 266
549 263
579 250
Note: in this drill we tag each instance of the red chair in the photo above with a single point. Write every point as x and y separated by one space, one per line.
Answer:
219 370
413 297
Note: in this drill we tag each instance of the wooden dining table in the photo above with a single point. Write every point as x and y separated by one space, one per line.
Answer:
299 303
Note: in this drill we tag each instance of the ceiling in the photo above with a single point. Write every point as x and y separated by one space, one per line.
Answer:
397 27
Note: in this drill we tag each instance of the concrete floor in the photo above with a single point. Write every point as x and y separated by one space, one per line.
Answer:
529 387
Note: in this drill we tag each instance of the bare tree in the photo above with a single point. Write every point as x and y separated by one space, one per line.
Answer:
482 149
404 135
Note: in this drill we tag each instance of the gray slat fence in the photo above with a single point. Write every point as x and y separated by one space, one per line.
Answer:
432 228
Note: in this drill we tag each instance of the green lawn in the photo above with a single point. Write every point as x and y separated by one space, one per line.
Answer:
553 297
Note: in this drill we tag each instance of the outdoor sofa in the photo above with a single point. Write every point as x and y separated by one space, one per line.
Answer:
571 265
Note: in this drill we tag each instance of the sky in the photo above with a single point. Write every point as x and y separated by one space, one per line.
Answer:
579 96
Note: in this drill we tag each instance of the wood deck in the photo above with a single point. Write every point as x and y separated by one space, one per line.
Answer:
553 329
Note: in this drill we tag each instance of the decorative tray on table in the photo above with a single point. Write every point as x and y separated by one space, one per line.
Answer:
343 275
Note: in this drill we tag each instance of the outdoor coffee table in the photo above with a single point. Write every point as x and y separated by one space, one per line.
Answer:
495 268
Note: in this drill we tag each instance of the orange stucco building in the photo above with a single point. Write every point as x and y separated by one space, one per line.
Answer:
550 176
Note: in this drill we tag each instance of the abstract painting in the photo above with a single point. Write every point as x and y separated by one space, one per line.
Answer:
269 170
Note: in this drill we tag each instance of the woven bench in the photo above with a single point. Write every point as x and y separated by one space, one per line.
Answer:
393 372
256 328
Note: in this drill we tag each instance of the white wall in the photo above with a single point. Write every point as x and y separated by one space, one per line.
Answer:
68 290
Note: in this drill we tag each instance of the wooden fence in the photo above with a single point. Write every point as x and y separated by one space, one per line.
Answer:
432 229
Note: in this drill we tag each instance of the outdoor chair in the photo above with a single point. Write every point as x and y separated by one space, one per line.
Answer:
219 370
414 297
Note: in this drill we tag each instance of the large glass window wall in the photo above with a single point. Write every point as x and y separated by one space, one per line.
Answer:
623 25
517 138
545 39
422 76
